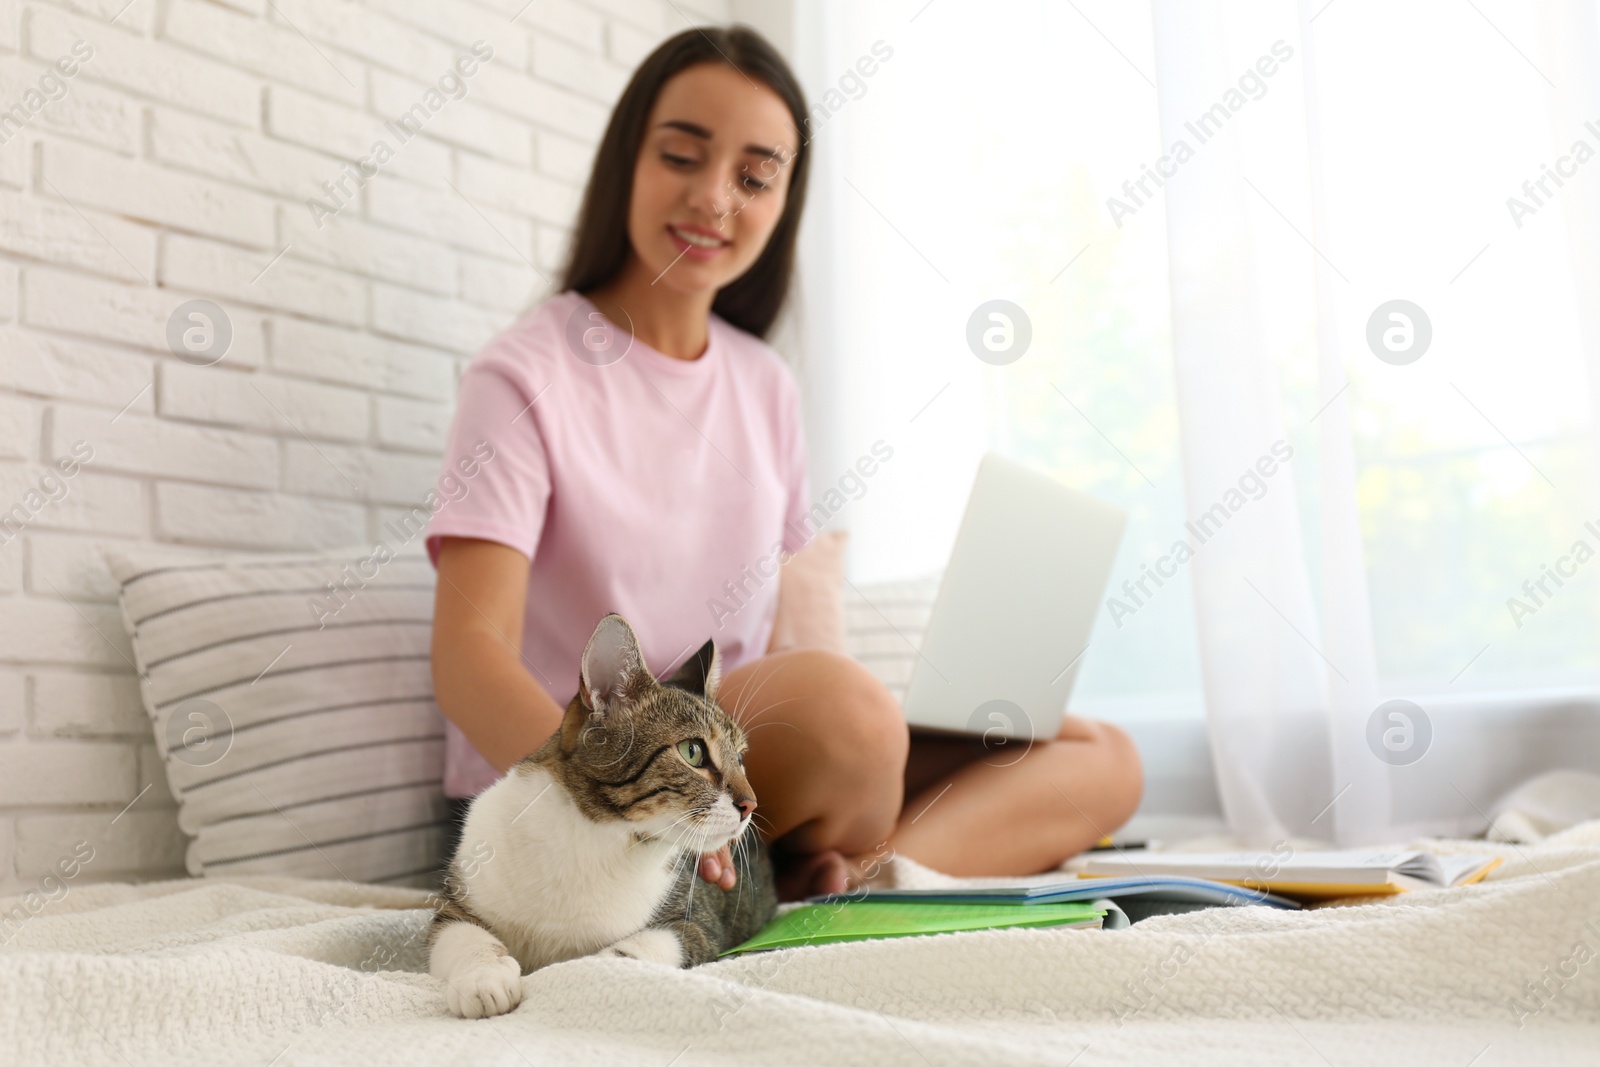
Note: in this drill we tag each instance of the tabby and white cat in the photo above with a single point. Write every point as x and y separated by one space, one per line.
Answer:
590 845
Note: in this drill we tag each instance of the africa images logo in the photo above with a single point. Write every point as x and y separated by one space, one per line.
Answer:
451 85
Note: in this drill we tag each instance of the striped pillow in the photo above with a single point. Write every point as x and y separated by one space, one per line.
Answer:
884 623
293 706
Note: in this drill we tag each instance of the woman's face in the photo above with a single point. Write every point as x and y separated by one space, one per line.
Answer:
712 178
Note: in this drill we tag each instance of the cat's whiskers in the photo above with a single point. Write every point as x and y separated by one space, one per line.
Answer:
690 860
688 903
739 705
696 848
741 847
764 725
766 822
748 726
688 898
685 817
681 854
746 700
687 856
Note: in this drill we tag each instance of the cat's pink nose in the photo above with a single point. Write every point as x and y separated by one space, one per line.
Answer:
745 805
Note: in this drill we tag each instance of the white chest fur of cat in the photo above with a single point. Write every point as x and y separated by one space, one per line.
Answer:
605 887
579 849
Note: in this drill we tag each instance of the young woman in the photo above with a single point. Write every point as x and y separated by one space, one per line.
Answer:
633 446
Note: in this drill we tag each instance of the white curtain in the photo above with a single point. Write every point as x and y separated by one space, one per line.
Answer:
1273 696
1290 691
1354 167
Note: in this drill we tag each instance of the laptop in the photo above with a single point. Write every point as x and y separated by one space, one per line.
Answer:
1012 618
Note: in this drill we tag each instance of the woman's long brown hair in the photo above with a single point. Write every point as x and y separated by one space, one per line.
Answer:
600 243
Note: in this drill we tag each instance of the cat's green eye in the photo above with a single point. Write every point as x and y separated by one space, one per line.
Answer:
693 752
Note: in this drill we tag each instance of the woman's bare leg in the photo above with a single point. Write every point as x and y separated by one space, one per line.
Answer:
1016 809
827 749
836 771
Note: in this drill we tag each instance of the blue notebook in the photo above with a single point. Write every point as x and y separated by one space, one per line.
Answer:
1177 889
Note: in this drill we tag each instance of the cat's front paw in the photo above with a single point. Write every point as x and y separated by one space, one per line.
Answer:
489 987
651 945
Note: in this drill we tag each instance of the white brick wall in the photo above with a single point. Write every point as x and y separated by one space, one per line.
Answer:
177 166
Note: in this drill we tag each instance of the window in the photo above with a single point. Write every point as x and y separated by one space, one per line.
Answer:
977 164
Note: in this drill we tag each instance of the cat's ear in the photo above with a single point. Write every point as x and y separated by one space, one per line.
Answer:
612 671
701 672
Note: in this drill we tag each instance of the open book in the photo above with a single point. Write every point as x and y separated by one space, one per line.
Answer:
1315 875
1174 889
855 919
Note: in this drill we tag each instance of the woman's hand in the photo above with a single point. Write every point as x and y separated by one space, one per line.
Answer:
717 868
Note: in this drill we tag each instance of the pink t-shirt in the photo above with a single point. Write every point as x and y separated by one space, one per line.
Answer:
666 490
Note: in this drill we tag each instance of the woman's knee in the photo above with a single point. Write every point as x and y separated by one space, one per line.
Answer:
866 730
863 742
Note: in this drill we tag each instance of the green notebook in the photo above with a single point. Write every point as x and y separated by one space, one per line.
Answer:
859 920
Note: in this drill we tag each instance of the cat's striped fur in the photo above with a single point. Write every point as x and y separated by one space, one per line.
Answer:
589 846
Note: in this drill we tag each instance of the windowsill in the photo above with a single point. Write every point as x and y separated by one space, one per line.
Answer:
1186 707
1493 742
1530 699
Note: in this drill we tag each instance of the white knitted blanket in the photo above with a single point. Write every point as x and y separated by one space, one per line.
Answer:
281 972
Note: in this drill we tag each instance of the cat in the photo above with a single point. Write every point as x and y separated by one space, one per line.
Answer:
591 845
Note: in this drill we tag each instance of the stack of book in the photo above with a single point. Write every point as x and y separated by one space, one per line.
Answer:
1109 880
1307 876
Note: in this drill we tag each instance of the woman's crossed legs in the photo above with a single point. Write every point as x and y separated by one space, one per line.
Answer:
841 780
